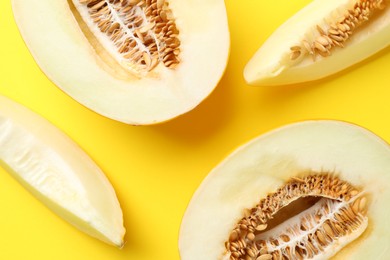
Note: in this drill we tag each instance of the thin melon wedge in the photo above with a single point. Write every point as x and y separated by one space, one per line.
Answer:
57 172
325 37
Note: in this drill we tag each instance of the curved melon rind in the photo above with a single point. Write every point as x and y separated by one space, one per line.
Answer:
66 56
264 164
57 172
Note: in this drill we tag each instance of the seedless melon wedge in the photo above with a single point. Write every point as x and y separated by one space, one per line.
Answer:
310 190
56 171
325 37
139 62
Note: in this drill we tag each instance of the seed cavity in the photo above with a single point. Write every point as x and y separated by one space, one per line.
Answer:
334 35
335 215
139 34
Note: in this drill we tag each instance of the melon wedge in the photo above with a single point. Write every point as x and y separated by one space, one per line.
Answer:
57 172
312 44
225 213
146 76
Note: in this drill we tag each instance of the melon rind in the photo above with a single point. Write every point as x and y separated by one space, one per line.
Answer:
59 173
264 164
65 55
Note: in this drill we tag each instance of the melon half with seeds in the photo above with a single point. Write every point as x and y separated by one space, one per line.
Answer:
310 190
135 61
58 173
325 37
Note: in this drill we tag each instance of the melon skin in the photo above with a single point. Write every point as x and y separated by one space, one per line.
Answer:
267 162
55 170
271 64
65 54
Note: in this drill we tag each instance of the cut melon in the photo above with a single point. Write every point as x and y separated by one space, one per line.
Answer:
325 37
57 172
310 190
139 62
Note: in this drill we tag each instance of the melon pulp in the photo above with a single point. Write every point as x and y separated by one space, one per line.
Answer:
312 44
139 85
57 172
286 155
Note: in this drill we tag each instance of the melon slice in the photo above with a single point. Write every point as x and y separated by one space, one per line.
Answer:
310 190
325 37
139 62
56 171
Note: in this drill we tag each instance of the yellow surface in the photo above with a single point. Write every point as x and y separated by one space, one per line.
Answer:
156 169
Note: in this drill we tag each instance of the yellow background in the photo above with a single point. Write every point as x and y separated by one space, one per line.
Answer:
156 169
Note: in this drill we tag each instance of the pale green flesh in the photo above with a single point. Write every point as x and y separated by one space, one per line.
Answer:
56 171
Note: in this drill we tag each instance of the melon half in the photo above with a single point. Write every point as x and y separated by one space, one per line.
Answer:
310 190
139 62
59 173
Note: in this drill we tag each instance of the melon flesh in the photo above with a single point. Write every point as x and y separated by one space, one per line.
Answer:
69 56
56 171
266 163
271 64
